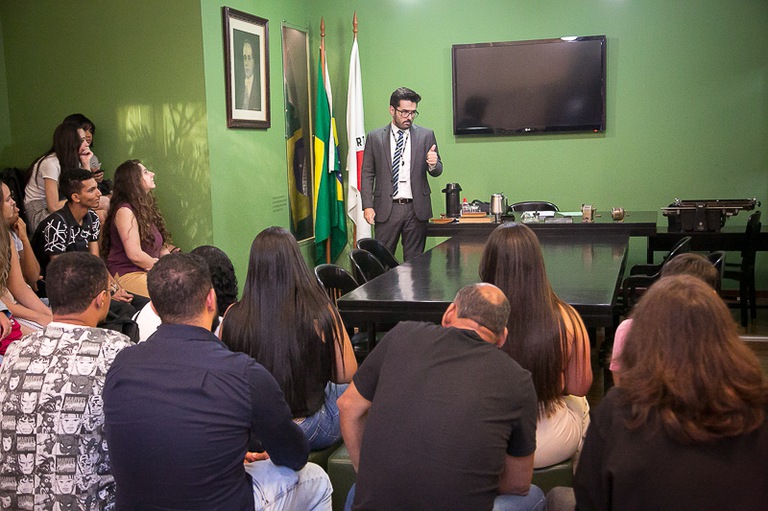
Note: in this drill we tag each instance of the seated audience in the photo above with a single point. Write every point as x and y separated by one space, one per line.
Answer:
685 427
287 323
30 267
51 410
684 264
41 194
438 417
19 296
183 412
134 236
224 283
546 336
10 330
105 185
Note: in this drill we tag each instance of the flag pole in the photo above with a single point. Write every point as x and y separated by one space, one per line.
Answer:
323 64
354 32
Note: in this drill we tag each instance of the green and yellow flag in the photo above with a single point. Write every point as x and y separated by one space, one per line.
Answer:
330 219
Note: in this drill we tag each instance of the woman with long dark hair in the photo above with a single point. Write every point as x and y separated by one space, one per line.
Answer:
685 427
70 150
546 336
287 323
134 236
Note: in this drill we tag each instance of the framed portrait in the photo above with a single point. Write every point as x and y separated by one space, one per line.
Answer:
246 54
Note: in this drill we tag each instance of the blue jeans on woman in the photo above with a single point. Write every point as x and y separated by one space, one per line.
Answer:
322 428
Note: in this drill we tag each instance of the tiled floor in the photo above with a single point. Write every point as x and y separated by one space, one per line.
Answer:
755 334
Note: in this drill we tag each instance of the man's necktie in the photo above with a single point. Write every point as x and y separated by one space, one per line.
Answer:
397 161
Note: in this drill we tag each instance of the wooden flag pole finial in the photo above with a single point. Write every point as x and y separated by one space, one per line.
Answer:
354 24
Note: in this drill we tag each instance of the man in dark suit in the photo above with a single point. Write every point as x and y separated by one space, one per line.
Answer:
249 93
394 187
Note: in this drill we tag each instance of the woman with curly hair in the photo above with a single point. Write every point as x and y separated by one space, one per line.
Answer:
685 427
287 323
546 336
134 235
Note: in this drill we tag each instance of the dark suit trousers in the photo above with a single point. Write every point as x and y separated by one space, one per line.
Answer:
403 221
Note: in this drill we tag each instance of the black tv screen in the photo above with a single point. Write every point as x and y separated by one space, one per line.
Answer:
521 87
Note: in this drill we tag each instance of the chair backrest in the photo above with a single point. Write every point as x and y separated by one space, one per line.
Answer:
750 239
717 258
683 246
380 251
520 207
335 280
366 264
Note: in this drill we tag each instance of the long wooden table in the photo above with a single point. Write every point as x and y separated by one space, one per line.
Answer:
584 273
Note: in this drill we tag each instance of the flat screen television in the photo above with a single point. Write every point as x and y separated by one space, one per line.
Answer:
523 87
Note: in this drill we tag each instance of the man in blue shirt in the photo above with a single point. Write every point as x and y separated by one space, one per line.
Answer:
183 413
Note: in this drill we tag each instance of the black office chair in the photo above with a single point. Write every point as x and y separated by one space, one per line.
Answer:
641 276
681 247
520 207
365 264
335 280
380 251
744 272
717 258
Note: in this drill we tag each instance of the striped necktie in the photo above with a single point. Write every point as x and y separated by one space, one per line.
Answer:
397 161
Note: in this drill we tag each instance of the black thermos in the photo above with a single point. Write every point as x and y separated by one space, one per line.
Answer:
452 200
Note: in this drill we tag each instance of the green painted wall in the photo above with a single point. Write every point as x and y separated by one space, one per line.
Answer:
136 70
249 183
687 95
687 99
5 124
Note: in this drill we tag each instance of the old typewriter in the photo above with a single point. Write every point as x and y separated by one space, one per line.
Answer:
704 214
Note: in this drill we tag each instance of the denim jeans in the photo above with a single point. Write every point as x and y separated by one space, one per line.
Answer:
322 428
534 501
280 488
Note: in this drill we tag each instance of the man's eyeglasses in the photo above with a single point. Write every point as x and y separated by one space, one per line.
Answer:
247 57
407 113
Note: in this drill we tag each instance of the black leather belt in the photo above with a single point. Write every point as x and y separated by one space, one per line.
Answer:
402 201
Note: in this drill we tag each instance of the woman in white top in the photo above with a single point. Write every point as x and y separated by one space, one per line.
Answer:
70 150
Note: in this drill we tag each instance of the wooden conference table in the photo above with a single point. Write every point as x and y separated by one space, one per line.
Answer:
584 273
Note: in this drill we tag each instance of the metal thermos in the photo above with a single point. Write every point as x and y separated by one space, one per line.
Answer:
452 203
498 205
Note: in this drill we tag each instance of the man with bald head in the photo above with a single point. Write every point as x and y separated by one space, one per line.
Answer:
437 417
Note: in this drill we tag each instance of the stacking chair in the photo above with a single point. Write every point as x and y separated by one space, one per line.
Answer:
744 272
641 276
717 258
337 282
367 267
380 251
520 207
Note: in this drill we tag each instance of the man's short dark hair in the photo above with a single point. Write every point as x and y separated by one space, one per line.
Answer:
178 285
472 303
74 279
403 94
71 181
692 264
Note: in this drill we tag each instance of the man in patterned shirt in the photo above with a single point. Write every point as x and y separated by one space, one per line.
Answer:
53 452
75 227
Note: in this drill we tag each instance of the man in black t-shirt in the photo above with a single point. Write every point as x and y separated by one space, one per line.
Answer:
437 417
75 227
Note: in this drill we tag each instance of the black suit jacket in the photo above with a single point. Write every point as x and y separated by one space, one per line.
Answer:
376 183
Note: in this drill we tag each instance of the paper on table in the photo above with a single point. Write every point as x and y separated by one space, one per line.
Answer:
570 213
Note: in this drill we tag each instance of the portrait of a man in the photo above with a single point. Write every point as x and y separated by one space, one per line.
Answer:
249 93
